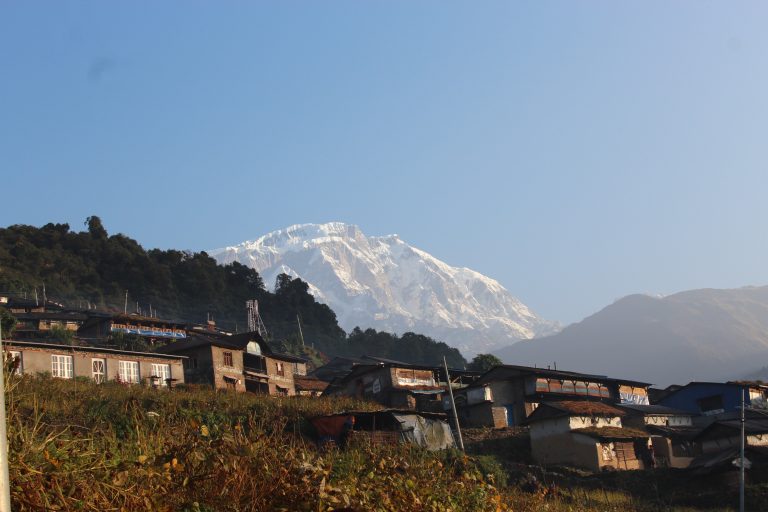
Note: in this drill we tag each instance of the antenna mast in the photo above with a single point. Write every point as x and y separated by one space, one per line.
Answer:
255 323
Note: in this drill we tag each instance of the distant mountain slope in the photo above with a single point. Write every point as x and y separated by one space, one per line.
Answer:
694 335
384 283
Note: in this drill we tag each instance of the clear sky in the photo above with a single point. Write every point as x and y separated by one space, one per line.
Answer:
575 151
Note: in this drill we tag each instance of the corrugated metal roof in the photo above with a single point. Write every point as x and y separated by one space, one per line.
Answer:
88 348
510 371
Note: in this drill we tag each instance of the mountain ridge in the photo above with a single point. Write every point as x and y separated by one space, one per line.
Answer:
385 283
704 334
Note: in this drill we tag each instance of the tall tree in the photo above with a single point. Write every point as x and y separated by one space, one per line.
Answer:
484 362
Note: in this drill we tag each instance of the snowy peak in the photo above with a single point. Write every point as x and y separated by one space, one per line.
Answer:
383 282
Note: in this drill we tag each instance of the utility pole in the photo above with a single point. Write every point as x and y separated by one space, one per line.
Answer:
453 405
125 308
301 334
5 481
741 465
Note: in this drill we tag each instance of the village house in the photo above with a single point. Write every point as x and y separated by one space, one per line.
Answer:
240 362
586 434
309 386
38 319
40 324
25 305
101 325
715 400
725 434
97 363
337 368
672 432
507 394
397 385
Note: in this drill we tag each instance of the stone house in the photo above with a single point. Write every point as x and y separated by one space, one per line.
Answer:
240 362
507 394
97 363
672 432
397 385
37 324
726 434
309 386
586 434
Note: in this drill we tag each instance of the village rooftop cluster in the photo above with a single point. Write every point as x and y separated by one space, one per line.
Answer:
593 422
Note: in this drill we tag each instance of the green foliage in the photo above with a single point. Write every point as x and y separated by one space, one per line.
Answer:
123 341
7 322
61 336
410 347
484 362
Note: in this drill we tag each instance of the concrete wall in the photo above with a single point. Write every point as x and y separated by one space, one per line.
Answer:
665 453
198 368
511 395
221 370
38 360
597 421
285 382
483 415
566 449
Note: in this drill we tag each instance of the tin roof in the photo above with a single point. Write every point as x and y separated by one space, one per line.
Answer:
88 348
509 371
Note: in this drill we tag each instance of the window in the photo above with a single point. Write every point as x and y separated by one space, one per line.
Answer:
99 370
61 366
14 359
228 359
190 364
710 405
163 374
129 372
281 391
230 382
280 368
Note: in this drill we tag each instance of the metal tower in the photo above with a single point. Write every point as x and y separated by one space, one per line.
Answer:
255 323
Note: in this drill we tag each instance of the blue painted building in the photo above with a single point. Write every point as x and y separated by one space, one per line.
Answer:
715 398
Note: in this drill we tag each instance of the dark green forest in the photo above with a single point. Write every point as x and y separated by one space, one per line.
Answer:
94 268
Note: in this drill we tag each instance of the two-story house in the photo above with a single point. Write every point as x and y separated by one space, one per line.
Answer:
240 362
507 394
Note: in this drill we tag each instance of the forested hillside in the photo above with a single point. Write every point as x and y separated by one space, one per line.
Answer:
93 267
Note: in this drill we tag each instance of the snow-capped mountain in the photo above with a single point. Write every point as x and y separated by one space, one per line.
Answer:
384 283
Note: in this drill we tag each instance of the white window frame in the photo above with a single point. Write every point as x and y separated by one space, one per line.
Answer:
127 373
163 372
62 366
15 354
96 375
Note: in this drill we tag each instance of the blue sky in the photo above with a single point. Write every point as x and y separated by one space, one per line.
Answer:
575 151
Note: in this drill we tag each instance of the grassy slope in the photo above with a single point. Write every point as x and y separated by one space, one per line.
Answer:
78 446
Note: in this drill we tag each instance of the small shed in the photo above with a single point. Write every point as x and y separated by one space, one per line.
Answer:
389 426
